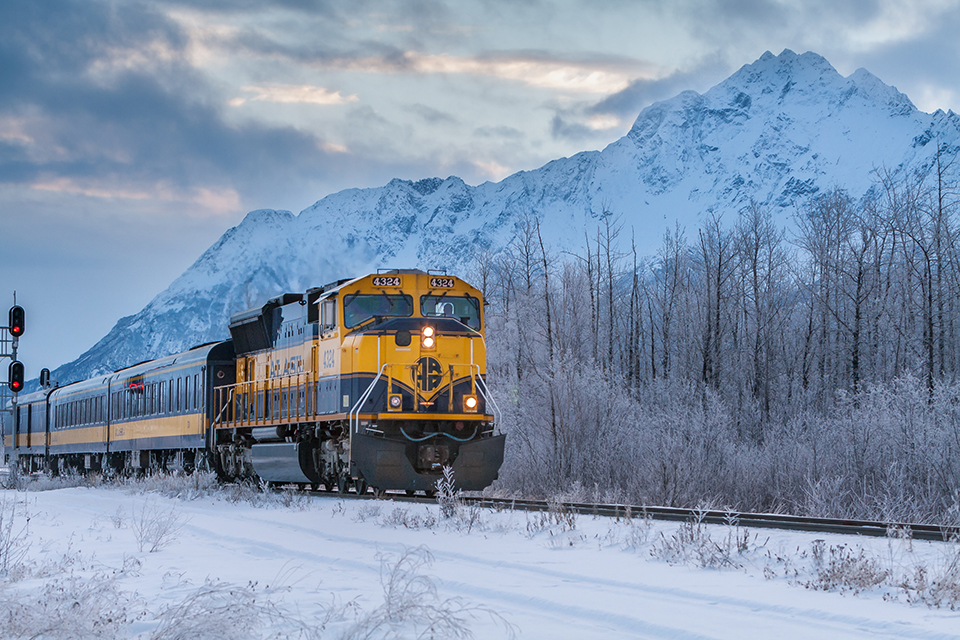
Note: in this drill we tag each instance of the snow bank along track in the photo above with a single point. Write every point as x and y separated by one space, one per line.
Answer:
746 520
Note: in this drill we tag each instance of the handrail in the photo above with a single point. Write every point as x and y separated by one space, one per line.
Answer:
226 405
290 406
285 386
363 398
487 396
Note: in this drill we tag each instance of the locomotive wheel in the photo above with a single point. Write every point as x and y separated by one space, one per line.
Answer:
361 485
343 483
410 493
378 493
430 493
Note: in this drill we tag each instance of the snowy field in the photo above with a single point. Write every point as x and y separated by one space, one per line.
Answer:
142 561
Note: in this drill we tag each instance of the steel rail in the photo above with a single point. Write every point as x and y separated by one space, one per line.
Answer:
873 528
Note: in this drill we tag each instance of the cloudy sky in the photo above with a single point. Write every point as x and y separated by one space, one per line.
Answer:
133 134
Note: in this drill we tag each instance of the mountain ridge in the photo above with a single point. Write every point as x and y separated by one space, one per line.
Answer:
777 131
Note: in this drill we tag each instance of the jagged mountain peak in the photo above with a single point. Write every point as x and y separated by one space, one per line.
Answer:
773 69
778 131
775 85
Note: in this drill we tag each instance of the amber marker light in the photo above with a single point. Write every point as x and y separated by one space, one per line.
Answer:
470 404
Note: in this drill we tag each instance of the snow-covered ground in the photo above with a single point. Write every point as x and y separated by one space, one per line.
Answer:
237 564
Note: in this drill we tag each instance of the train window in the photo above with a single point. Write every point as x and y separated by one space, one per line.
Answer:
358 308
328 314
196 390
466 309
178 394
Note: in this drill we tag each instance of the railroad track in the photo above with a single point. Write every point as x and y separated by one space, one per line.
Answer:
746 520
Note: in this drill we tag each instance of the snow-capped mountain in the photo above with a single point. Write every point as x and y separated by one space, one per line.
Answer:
776 131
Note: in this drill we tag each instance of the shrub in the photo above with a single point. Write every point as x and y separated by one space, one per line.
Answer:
70 607
156 527
14 531
220 610
839 567
412 606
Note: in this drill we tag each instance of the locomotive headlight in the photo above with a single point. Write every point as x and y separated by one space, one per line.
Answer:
470 403
395 402
427 338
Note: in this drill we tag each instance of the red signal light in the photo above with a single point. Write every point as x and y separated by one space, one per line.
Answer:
15 376
16 321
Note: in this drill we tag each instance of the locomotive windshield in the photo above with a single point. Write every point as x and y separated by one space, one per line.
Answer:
358 308
462 308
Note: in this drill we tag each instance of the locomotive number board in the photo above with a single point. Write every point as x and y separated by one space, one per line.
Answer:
442 283
386 281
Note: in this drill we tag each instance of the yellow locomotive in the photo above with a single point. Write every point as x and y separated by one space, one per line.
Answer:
376 381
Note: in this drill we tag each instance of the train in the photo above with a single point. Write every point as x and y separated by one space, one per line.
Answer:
369 383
